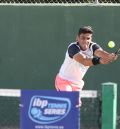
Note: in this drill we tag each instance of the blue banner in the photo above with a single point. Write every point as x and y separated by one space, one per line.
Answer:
47 109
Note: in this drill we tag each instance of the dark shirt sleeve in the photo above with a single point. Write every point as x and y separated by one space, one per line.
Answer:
72 50
95 47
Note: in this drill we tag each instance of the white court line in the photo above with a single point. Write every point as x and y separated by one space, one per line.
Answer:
17 93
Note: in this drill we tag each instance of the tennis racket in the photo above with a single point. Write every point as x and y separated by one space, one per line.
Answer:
118 52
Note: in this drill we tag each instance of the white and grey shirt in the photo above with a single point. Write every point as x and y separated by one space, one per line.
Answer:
72 70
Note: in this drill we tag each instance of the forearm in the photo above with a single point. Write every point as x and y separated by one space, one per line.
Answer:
105 57
101 53
86 61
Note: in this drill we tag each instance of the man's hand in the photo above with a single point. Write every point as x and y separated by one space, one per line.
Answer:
113 57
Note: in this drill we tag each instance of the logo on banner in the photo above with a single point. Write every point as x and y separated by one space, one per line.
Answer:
47 109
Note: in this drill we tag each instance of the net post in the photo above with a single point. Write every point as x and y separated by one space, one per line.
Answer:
109 105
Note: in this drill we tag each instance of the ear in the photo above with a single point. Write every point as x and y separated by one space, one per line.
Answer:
77 38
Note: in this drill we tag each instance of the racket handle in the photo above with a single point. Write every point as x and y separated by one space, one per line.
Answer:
116 52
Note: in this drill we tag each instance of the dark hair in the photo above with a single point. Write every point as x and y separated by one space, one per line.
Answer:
85 29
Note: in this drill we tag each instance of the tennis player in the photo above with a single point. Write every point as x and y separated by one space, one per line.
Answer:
80 55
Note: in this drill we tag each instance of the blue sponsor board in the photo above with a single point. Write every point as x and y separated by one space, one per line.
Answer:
48 109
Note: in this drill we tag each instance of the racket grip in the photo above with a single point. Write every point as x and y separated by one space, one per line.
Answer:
116 52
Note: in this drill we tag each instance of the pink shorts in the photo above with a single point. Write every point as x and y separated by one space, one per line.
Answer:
65 85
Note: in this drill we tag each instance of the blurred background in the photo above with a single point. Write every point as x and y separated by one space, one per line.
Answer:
34 36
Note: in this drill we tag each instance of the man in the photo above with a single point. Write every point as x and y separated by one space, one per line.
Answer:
79 57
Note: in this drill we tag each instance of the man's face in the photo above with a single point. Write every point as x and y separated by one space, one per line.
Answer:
84 40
